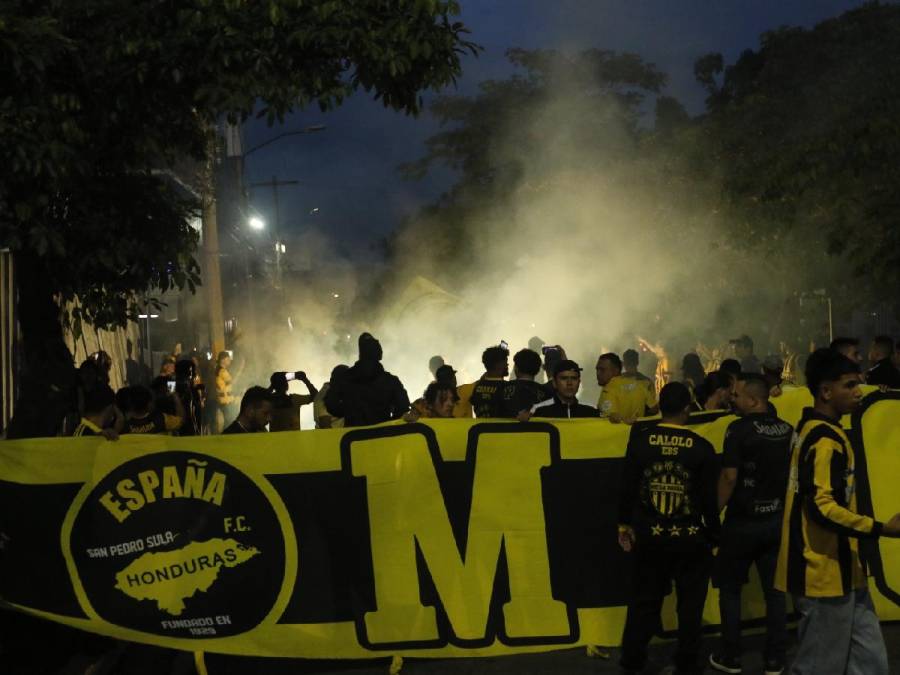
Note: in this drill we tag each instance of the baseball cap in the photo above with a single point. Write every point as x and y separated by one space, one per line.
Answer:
565 364
444 372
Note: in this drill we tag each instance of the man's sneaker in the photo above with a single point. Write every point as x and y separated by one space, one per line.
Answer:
774 667
725 664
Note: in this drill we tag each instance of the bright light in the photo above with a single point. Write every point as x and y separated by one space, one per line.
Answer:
280 248
148 316
256 223
335 295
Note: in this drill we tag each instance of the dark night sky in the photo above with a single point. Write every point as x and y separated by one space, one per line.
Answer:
349 171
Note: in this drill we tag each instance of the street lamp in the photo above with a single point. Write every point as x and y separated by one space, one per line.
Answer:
256 223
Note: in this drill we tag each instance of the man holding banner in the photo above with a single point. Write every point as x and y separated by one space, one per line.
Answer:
668 519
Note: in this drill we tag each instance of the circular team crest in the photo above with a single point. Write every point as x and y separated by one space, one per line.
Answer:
667 489
179 544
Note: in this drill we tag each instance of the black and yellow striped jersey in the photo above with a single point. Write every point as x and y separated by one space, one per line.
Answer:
819 554
87 428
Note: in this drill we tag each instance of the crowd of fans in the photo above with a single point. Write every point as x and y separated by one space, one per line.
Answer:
192 395
790 493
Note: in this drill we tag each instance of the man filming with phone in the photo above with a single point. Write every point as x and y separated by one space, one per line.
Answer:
285 406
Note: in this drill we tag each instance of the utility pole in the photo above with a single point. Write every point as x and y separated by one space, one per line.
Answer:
212 278
279 246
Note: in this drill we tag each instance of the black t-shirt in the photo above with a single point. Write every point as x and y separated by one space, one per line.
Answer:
487 398
556 408
669 488
519 395
235 428
759 447
153 423
884 373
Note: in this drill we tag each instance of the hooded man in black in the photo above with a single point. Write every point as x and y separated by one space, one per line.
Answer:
366 393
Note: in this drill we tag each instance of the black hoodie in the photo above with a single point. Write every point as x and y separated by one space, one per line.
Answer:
366 393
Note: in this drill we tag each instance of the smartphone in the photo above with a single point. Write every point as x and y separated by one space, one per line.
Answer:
546 349
230 353
504 345
171 386
290 376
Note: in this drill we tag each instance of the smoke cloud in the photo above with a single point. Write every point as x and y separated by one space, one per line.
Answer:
594 243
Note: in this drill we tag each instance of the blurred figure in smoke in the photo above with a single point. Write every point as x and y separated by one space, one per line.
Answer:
882 371
192 394
285 406
624 397
324 420
714 393
486 395
225 400
630 361
523 392
732 367
566 382
662 374
434 363
366 393
743 351
536 345
772 371
136 373
849 347
255 415
692 373
553 354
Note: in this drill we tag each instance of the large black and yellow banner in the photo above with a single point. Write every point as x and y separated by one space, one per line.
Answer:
443 538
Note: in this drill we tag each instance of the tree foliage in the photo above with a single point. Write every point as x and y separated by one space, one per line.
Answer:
100 95
793 158
806 131
557 113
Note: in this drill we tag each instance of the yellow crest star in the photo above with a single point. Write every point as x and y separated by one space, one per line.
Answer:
693 529
675 531
656 530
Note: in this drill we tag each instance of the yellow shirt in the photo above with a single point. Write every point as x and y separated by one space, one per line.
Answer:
223 387
627 397
463 407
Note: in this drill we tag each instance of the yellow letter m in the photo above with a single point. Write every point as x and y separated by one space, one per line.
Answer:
407 510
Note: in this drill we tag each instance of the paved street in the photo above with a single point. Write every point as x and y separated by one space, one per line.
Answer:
139 660
569 661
